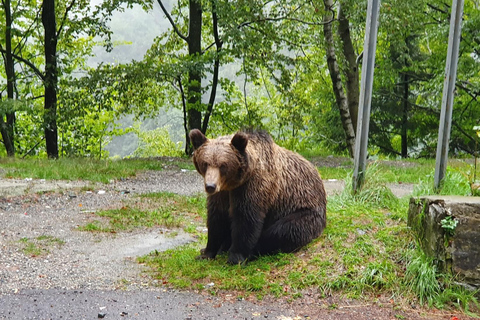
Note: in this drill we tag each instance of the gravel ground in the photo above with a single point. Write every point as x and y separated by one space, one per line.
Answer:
93 275
86 260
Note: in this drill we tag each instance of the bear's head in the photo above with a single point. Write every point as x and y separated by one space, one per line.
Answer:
223 162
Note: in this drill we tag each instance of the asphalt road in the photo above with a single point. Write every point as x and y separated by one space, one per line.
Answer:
145 304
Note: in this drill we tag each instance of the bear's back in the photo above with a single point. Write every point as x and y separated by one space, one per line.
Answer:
290 181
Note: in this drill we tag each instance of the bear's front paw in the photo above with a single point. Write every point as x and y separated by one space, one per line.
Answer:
236 258
204 254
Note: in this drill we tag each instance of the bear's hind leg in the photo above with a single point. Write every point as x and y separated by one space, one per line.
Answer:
292 232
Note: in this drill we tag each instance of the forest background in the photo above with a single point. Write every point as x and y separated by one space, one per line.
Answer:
132 77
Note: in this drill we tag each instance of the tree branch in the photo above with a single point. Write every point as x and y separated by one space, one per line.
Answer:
169 17
184 105
28 63
245 24
435 8
62 24
216 68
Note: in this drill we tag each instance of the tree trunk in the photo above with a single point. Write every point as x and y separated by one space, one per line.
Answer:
194 89
333 68
7 129
351 71
51 78
6 137
405 116
216 68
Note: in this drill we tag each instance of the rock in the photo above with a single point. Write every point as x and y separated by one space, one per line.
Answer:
101 315
448 229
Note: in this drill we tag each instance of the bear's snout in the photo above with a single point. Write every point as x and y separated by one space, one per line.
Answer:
210 188
212 179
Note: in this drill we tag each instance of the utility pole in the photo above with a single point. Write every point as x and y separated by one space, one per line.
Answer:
448 89
366 84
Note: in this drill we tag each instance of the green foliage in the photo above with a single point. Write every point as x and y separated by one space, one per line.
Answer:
273 74
154 143
374 190
422 278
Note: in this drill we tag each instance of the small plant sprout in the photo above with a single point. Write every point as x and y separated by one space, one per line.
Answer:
449 224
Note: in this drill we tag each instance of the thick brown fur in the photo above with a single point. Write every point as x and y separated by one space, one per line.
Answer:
262 198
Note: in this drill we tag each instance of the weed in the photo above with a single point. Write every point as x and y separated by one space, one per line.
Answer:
421 278
39 246
449 224
33 250
94 226
441 290
459 297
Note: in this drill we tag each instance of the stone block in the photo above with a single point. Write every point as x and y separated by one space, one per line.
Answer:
457 253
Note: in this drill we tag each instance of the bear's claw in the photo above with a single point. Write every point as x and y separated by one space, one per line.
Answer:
236 258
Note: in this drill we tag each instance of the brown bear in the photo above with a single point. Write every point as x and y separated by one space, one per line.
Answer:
262 198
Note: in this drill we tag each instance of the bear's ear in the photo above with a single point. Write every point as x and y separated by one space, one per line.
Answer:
197 138
240 141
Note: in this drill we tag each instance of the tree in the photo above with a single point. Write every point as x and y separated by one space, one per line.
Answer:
347 104
192 98
409 79
51 77
7 128
63 46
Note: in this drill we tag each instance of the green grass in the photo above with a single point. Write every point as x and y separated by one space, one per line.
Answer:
405 171
39 246
150 210
84 168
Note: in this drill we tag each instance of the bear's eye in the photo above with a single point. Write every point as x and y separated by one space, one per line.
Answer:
204 166
223 168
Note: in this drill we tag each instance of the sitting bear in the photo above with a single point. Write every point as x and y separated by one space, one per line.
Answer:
262 198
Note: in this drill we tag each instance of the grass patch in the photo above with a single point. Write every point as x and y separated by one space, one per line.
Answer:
150 210
179 268
39 246
84 168
455 183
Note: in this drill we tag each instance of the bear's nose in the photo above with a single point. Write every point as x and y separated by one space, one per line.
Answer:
210 187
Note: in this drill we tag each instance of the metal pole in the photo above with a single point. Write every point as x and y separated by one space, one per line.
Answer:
366 84
447 96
